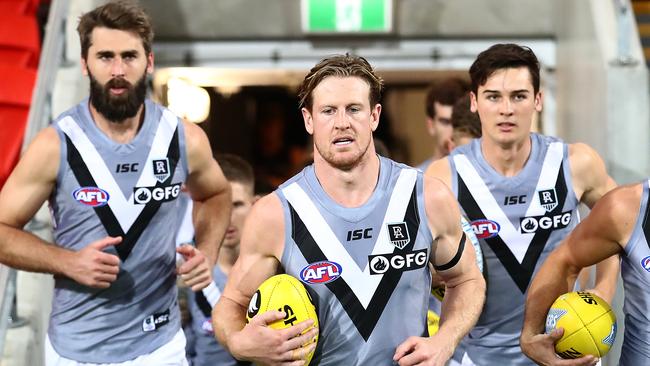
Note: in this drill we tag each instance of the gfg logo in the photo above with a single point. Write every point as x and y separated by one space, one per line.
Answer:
91 196
531 224
142 195
485 229
381 263
321 272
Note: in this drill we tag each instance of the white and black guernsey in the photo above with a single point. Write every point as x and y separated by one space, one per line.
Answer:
518 220
365 267
128 190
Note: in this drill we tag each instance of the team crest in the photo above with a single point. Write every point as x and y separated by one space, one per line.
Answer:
398 234
161 169
548 199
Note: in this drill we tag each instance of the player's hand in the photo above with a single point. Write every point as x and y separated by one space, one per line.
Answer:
263 345
541 349
92 266
432 351
195 272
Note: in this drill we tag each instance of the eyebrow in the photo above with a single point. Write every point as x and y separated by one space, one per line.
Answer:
129 53
513 92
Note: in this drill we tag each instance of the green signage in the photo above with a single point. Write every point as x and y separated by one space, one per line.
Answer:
347 16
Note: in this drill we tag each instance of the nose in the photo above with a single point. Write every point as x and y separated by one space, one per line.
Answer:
117 67
342 120
505 108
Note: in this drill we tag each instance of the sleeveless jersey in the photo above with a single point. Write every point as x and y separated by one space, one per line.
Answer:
519 220
208 351
365 267
635 270
128 190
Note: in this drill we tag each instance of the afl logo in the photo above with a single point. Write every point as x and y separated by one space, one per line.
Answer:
485 229
91 196
321 272
645 263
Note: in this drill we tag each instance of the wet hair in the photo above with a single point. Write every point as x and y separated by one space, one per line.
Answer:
340 66
445 92
121 15
504 56
463 120
236 169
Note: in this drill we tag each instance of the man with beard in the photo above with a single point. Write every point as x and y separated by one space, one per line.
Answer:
112 169
374 223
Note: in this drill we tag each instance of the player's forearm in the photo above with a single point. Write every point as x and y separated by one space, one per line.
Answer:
25 251
227 318
211 218
461 308
607 276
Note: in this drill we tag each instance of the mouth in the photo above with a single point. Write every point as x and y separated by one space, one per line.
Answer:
506 125
342 141
118 91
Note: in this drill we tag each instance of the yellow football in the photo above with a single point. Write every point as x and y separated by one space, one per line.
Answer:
588 321
284 293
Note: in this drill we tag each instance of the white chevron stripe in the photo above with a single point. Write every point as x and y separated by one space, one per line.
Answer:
362 283
124 210
517 242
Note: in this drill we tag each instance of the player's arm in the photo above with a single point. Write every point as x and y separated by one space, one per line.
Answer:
590 177
454 259
440 169
28 186
261 245
601 235
210 192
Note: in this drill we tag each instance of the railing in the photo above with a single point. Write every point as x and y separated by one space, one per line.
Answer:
39 117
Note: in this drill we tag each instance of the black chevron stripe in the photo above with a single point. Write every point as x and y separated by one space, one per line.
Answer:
203 304
364 320
105 214
520 273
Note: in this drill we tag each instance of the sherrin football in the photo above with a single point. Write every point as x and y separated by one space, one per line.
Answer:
284 293
588 321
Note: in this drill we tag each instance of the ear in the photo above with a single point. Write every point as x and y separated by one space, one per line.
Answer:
430 129
374 117
150 63
84 66
309 123
538 101
473 102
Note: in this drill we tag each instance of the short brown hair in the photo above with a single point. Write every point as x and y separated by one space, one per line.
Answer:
445 92
236 169
465 121
340 66
504 56
122 15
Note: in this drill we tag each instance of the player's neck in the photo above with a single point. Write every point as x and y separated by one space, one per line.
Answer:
349 188
227 258
122 132
507 159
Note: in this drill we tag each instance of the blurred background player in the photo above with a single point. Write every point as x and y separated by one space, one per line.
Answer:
372 311
206 351
520 190
618 224
440 101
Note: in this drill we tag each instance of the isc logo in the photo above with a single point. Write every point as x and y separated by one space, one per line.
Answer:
321 272
91 196
485 229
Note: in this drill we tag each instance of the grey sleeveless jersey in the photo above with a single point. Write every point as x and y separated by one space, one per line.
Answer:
635 270
209 352
128 190
519 220
365 267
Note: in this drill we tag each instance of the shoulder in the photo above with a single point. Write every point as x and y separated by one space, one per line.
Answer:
618 211
265 225
582 155
193 134
45 145
441 170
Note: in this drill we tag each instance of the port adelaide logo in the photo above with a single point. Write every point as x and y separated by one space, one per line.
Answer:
398 234
548 200
161 169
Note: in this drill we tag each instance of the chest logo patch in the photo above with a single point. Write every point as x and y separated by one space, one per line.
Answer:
398 234
321 272
91 196
161 169
548 199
